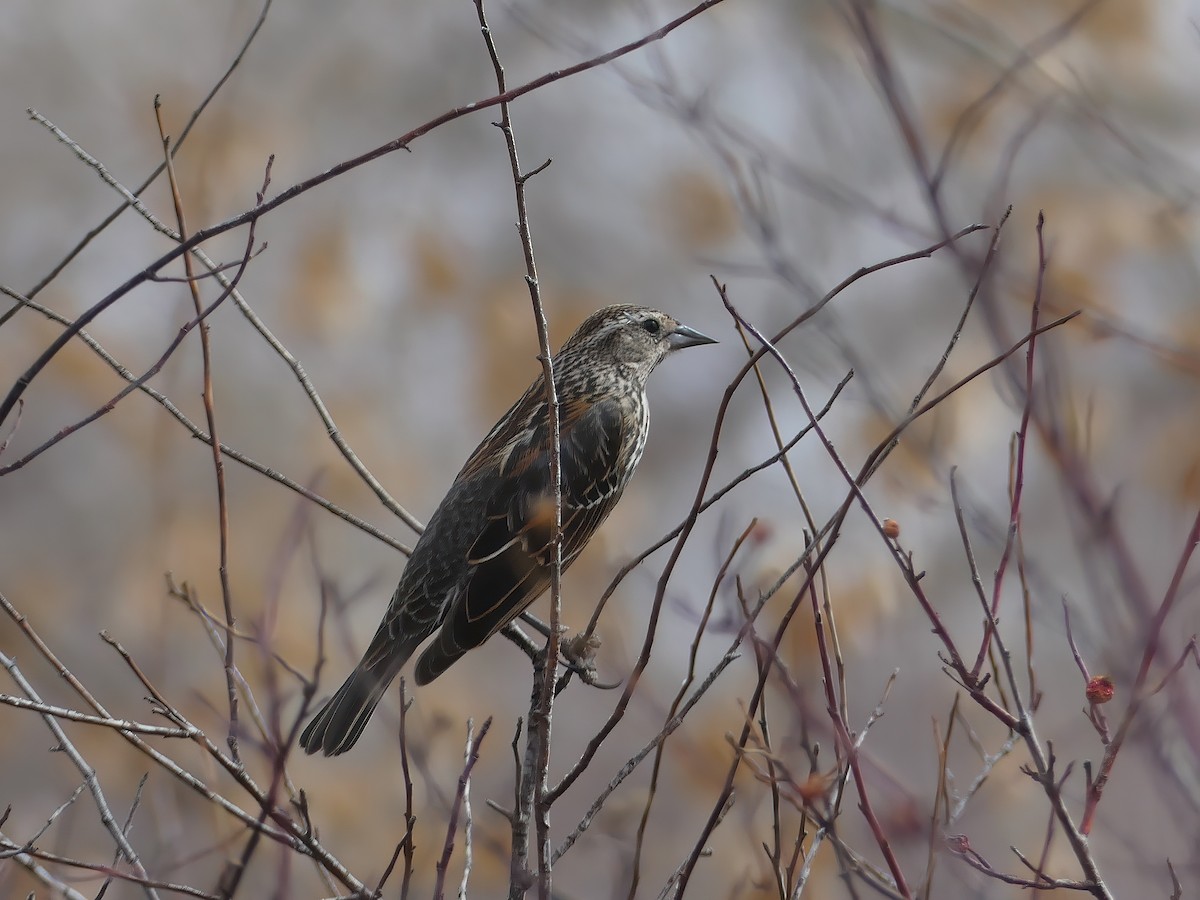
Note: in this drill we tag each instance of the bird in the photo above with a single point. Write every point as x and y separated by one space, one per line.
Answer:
485 554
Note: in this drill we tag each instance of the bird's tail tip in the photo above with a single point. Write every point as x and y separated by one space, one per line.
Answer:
339 724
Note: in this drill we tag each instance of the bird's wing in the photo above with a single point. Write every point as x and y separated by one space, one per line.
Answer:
510 559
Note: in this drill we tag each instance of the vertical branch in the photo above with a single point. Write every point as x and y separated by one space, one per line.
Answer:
466 808
775 850
464 780
940 797
541 711
522 804
845 743
1018 478
410 819
210 414
830 620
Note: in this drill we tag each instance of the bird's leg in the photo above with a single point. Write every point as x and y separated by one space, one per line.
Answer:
579 656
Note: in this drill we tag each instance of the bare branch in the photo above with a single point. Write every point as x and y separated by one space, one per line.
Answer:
252 215
89 777
464 781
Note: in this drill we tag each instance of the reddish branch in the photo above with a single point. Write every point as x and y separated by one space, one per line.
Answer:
1140 691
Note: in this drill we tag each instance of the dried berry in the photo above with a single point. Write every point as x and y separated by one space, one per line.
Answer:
1100 689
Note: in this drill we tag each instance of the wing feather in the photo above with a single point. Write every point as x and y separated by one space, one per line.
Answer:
510 560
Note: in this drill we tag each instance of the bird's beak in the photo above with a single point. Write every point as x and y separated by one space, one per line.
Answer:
683 336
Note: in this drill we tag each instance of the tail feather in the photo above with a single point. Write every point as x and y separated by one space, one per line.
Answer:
440 655
340 722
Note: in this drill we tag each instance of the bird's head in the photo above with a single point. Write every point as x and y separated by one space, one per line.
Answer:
634 338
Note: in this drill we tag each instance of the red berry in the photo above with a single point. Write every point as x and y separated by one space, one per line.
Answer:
1100 689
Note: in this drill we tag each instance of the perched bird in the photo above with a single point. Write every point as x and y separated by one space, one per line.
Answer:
485 554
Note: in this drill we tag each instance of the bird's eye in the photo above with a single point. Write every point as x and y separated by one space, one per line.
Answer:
653 326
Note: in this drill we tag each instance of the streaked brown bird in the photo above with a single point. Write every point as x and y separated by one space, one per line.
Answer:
485 554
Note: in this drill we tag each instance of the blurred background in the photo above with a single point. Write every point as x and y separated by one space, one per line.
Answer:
761 143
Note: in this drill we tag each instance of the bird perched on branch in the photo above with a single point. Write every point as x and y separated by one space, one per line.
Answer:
486 553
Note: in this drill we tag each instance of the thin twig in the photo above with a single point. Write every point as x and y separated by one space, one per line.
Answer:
148 885
137 799
89 777
1018 480
210 414
76 716
53 817
1094 713
410 818
452 825
673 888
962 849
43 875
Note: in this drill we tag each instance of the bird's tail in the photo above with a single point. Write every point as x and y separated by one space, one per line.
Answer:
340 722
